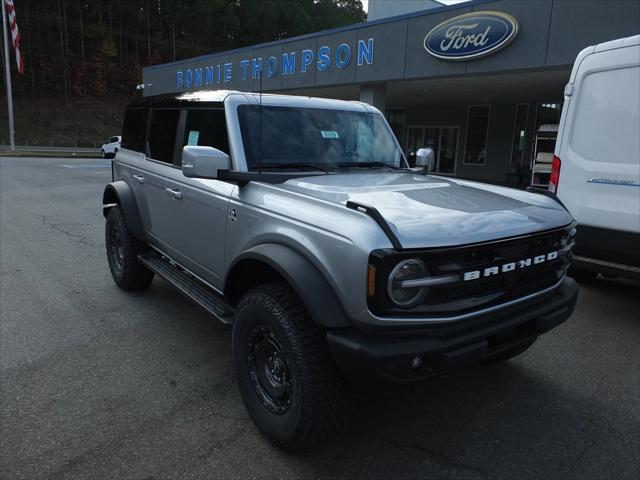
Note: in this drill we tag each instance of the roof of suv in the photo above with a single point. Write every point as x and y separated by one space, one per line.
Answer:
217 97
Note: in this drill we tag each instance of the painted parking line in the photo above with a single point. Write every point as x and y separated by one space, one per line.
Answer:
100 164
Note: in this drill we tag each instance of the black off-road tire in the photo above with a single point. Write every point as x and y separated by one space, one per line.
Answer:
122 253
509 353
582 276
318 403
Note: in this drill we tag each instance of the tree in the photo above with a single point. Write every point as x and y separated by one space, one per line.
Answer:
90 47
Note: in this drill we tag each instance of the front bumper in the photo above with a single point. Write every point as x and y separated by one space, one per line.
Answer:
365 357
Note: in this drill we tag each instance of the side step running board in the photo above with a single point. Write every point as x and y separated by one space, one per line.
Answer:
189 286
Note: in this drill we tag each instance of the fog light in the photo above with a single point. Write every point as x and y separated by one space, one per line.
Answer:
416 362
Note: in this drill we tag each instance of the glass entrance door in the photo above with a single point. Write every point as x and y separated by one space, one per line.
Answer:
442 140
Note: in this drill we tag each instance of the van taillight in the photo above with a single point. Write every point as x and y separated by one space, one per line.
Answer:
555 175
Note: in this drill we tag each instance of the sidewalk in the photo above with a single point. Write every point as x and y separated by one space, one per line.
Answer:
22 151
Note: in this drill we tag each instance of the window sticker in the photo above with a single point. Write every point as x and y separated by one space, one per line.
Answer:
364 145
329 134
194 135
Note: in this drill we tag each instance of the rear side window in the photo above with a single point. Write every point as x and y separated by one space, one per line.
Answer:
134 129
607 118
162 134
206 128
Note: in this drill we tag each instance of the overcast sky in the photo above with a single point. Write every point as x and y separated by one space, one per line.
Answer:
365 3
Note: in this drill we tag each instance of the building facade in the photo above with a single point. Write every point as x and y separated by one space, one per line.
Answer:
390 8
481 82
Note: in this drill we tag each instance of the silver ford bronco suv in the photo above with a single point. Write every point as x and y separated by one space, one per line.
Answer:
299 221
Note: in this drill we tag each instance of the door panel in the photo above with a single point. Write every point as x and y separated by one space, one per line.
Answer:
147 180
197 208
198 212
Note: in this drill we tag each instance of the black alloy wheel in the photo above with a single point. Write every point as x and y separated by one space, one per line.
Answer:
288 380
122 253
269 371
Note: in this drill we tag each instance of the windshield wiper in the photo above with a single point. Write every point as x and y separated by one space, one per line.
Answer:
295 165
367 165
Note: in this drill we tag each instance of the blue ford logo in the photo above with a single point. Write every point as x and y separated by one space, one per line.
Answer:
471 35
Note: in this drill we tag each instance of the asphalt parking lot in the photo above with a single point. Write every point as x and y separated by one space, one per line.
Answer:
98 383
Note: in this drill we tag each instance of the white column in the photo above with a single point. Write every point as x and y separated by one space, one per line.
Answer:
375 95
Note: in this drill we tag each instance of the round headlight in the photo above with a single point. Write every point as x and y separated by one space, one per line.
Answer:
411 269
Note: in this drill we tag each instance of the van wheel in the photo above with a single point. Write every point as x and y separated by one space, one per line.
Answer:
286 374
122 253
582 276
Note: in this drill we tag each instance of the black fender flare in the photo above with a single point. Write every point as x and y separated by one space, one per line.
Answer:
119 193
310 285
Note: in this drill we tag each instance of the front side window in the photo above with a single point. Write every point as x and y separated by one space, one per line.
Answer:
162 134
206 127
322 138
477 128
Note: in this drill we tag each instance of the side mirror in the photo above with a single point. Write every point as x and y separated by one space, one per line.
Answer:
203 162
425 159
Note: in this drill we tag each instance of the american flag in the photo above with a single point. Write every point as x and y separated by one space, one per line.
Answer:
15 34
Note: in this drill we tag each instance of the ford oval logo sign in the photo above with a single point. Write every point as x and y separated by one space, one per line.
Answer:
471 35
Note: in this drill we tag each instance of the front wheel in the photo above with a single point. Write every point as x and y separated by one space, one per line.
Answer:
122 253
286 374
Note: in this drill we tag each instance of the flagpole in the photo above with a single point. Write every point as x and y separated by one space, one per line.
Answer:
7 71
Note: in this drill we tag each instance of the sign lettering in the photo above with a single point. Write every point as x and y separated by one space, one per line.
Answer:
471 35
288 64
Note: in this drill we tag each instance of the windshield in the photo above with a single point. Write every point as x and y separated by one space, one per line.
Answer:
318 138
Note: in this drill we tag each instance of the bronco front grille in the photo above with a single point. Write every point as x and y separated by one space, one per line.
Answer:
478 291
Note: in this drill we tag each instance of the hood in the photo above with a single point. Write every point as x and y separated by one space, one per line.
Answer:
431 211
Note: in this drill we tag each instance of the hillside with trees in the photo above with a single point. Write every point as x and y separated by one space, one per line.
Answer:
84 56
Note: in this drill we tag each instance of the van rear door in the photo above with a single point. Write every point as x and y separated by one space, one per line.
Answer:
599 145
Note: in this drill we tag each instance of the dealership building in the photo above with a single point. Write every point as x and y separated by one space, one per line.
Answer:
481 82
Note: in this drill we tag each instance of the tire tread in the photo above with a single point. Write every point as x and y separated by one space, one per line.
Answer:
326 398
135 276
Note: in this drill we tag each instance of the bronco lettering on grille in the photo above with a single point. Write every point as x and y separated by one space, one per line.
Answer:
509 267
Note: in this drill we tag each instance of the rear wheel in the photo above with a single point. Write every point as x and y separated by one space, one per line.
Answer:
286 374
122 253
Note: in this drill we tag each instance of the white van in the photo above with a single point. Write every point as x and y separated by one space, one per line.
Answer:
596 164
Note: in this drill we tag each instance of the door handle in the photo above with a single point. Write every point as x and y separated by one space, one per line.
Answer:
139 178
175 193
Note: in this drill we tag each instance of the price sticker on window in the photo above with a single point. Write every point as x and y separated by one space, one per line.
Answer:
329 134
194 135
